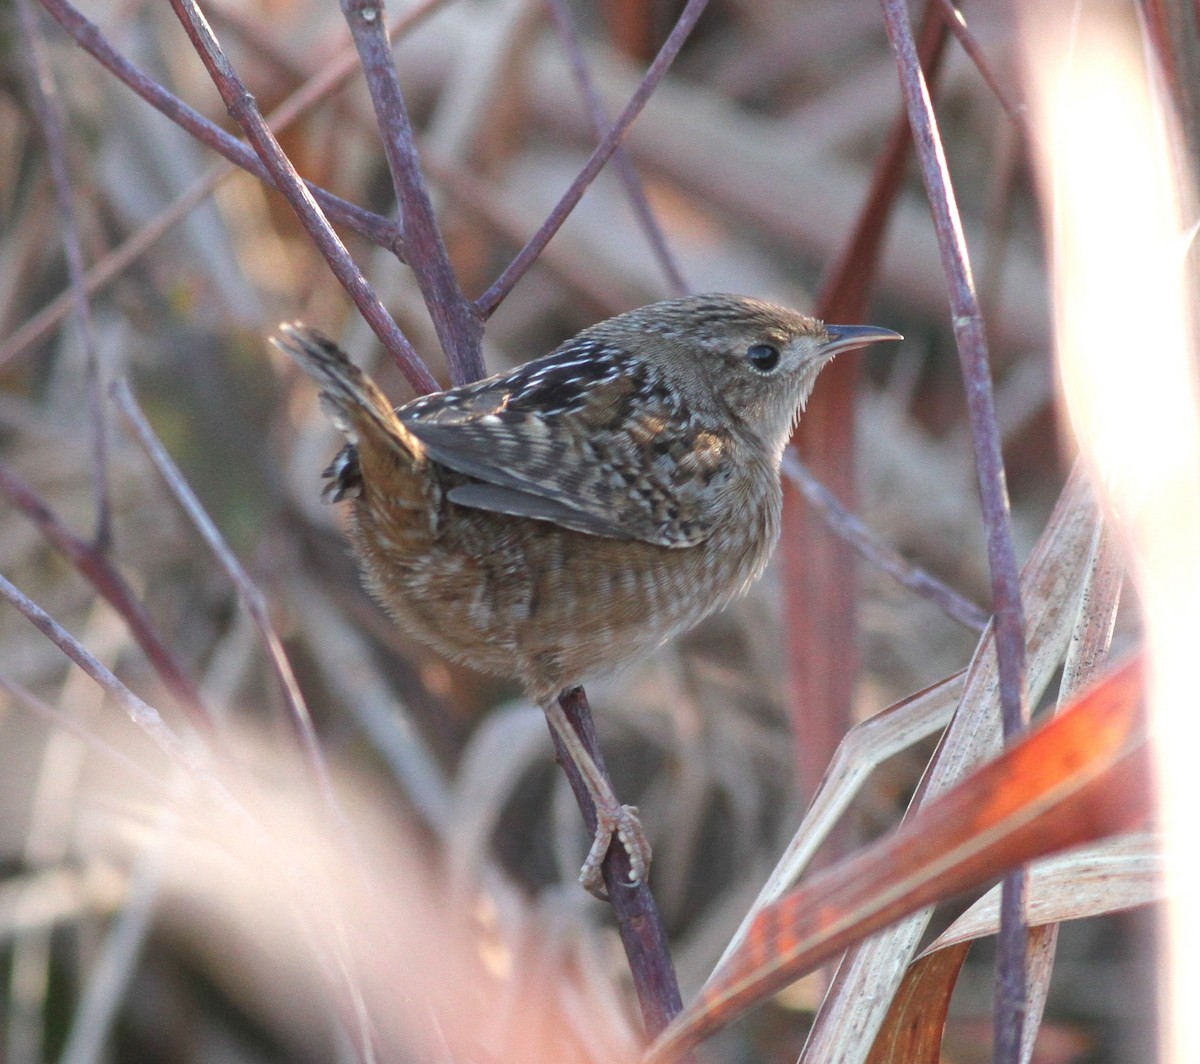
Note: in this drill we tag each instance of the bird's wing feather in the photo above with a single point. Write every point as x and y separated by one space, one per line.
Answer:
590 445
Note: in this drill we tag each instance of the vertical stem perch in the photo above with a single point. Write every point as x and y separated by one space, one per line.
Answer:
241 106
638 920
459 327
1006 597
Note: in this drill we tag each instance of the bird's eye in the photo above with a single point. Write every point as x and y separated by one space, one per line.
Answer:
763 357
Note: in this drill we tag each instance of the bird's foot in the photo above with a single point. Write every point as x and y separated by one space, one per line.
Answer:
621 821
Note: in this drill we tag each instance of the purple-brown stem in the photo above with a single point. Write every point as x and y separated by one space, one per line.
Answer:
241 106
378 230
381 231
1006 595
482 199
97 568
251 598
638 920
626 171
111 265
143 715
48 108
848 528
458 326
494 296
962 33
194 762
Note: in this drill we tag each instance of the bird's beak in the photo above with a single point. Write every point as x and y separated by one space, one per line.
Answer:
843 337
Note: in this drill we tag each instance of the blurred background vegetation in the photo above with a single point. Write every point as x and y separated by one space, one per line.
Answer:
755 156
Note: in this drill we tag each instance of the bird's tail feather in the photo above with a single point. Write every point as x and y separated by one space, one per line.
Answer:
352 401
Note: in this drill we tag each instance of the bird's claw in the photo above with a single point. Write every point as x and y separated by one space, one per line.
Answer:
623 822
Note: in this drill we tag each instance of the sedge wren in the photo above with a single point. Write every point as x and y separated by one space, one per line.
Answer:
580 510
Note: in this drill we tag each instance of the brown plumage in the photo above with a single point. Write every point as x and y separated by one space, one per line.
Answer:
577 512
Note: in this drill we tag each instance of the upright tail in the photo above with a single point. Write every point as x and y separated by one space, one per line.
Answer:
355 405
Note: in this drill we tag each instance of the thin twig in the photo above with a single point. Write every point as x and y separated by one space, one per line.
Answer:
256 606
151 722
58 719
143 715
1006 596
242 108
494 207
851 530
113 264
98 569
956 20
458 326
494 296
47 107
626 170
252 599
379 230
383 232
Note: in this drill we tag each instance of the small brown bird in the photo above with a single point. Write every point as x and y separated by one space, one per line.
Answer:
579 511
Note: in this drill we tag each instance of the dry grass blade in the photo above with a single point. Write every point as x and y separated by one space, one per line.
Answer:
913 1031
1051 584
1098 77
1112 876
1083 776
874 969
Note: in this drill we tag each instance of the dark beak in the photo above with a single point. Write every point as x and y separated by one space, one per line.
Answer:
843 337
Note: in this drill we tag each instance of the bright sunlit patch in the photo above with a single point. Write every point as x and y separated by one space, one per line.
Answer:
1128 374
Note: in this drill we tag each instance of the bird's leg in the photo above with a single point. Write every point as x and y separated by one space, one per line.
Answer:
612 818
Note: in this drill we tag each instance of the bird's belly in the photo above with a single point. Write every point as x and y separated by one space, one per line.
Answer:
547 605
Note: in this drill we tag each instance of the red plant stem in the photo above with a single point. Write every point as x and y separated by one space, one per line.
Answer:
241 106
494 296
378 230
626 171
458 326
820 570
48 109
1006 596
